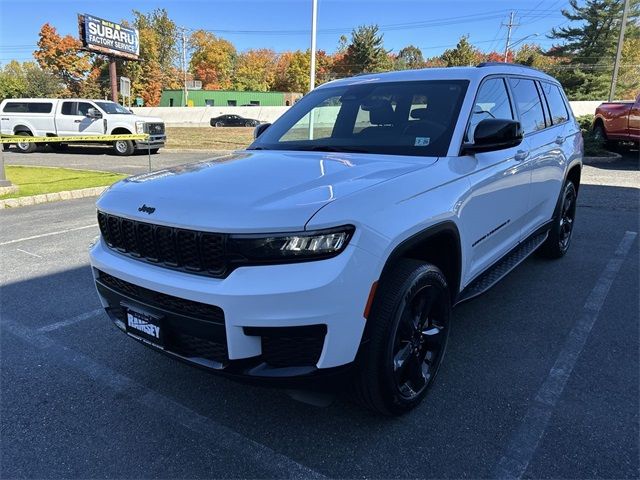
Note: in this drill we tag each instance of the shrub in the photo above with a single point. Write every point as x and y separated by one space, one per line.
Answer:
592 146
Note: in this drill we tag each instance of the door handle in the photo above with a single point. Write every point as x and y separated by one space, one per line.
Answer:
559 140
77 121
521 155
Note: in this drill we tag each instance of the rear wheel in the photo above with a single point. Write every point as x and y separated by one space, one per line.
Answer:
123 147
409 328
26 147
557 243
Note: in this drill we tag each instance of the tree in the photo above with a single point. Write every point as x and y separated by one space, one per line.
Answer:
62 57
629 75
212 60
409 57
27 80
532 55
589 43
255 70
365 53
463 55
156 69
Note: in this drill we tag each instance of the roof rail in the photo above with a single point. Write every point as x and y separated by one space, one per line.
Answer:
504 64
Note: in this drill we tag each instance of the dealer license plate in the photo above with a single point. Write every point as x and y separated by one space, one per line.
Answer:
145 326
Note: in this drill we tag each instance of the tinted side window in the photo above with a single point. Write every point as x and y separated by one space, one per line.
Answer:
83 108
528 104
27 107
556 103
68 108
492 101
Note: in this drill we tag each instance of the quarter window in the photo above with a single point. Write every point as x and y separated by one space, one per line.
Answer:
556 103
492 101
528 104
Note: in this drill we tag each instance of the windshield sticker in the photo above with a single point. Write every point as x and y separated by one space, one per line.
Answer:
422 141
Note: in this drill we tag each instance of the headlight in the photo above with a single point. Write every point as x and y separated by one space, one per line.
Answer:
288 247
139 127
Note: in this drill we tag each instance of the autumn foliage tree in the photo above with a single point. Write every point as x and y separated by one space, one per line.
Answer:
255 70
212 60
62 56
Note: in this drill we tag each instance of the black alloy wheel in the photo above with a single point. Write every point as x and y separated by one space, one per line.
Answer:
557 243
408 328
419 340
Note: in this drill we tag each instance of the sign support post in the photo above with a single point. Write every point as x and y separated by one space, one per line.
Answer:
113 79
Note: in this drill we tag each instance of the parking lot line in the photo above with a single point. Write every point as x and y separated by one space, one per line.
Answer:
28 253
58 232
212 433
524 441
72 320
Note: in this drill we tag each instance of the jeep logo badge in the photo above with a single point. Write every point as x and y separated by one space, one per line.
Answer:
146 209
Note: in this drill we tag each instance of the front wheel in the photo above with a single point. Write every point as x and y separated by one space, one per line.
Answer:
123 147
557 243
409 328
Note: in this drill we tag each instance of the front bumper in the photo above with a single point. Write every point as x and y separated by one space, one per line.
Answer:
155 141
273 323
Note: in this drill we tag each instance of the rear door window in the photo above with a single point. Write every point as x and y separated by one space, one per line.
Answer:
556 103
528 104
68 108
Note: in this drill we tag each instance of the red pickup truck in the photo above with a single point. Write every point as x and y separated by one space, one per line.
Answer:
618 121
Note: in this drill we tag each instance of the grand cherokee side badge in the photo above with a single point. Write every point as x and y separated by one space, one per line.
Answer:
146 209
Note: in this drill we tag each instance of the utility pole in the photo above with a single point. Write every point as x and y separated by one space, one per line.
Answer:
614 77
113 79
184 67
509 26
314 19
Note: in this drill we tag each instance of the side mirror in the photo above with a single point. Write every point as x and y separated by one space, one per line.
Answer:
94 113
260 129
494 134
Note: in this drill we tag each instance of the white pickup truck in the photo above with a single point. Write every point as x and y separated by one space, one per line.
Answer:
51 117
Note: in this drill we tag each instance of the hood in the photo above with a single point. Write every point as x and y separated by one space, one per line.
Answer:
140 118
251 191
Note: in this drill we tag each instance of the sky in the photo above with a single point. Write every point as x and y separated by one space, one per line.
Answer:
431 25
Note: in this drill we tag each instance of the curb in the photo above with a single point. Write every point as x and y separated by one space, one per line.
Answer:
609 158
52 197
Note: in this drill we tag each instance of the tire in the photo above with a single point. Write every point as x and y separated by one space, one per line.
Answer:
6 146
26 147
600 135
403 355
557 243
248 124
123 148
154 151
218 124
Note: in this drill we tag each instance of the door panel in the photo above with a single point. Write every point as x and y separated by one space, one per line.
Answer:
492 215
634 120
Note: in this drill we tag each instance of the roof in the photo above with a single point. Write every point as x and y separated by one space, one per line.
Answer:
446 73
56 99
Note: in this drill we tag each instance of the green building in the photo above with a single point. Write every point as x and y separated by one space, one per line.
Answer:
227 98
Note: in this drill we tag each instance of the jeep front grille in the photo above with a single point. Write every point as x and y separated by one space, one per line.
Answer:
187 250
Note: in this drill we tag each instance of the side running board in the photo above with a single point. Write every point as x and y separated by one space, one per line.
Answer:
499 270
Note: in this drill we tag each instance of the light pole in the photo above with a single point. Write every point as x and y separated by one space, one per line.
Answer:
314 19
510 46
614 77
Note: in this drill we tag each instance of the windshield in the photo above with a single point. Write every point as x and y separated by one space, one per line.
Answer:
396 118
111 107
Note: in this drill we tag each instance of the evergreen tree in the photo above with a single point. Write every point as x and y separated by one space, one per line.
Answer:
589 43
366 52
464 55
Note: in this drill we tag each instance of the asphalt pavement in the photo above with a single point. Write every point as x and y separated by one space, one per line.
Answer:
540 379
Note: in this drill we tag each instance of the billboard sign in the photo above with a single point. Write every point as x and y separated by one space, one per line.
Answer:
107 37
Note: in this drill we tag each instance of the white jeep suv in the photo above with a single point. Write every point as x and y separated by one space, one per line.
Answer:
336 245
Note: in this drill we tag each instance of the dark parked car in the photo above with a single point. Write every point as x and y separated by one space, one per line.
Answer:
233 121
